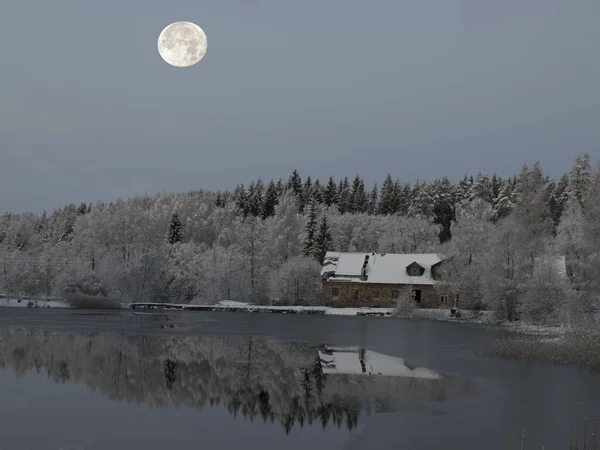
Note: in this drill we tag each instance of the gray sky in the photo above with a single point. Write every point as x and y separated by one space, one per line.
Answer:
418 88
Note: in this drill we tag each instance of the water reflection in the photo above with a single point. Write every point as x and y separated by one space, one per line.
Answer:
285 382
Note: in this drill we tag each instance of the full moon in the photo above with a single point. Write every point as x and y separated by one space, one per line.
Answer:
182 44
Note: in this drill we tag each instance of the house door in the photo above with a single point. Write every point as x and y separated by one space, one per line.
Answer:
416 295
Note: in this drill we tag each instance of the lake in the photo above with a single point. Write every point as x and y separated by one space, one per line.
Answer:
77 380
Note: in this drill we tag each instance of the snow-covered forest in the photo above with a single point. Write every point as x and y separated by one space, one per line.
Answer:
264 242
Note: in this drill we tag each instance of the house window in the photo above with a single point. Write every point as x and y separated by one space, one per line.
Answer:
444 298
354 295
395 294
335 292
415 270
376 295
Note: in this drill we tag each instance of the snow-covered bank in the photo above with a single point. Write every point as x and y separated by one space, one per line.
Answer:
227 305
580 346
31 303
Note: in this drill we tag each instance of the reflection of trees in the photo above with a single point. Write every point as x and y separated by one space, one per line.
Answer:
260 380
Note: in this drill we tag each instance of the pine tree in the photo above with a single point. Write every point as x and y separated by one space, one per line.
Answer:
344 196
270 201
219 200
503 204
404 198
42 223
323 241
280 187
387 200
306 194
462 190
557 198
330 196
68 218
373 200
359 201
241 199
317 192
295 183
310 230
82 209
255 198
496 185
175 234
443 208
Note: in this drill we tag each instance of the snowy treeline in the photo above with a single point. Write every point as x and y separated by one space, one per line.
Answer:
265 242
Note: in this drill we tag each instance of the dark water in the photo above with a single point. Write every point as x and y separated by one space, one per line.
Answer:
89 380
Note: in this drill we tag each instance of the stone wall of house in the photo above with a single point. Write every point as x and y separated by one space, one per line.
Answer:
366 295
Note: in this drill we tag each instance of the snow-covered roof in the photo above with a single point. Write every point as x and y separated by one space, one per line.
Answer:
389 268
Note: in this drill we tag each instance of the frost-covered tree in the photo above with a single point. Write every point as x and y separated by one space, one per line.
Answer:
580 178
408 235
482 188
503 271
297 282
462 190
422 201
533 220
467 252
503 204
285 229
548 296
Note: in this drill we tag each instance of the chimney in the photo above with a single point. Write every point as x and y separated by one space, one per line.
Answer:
363 271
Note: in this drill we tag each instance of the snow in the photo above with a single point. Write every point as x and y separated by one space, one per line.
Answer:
350 264
228 305
14 303
357 311
357 361
382 267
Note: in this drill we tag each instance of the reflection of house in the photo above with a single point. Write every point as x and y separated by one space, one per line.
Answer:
376 280
358 361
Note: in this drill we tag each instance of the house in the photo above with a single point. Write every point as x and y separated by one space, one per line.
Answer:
376 279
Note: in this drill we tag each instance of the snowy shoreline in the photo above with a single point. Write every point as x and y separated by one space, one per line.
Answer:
231 306
7 302
484 318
